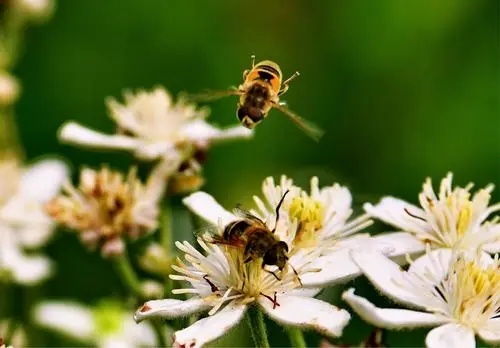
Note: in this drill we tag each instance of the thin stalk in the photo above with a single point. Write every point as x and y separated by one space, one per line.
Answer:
128 275
9 331
257 327
166 225
296 337
157 326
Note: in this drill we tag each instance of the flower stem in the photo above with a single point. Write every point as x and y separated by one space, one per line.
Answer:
128 275
166 225
257 326
296 337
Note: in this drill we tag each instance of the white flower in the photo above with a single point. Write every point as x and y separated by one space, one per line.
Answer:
151 125
106 325
315 222
222 283
457 291
451 219
9 88
36 9
107 206
23 223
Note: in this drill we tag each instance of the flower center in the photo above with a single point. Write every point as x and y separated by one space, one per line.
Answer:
108 318
107 204
476 296
309 214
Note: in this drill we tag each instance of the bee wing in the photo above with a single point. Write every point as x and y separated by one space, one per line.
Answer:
209 234
247 215
308 127
213 95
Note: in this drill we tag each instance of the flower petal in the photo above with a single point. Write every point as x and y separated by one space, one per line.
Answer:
73 133
434 264
385 275
200 130
68 318
336 268
389 318
450 335
492 248
491 333
170 308
402 243
42 181
206 207
307 312
208 329
130 335
393 211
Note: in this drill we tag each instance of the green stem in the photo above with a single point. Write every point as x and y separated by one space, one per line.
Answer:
296 337
257 327
166 226
128 275
162 342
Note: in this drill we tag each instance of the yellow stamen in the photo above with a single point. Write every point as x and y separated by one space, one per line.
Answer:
309 214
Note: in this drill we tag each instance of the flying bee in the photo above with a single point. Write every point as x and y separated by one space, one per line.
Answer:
252 235
260 92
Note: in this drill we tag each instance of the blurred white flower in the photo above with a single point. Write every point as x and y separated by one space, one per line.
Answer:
37 10
106 207
23 223
225 285
457 291
105 325
9 88
451 219
315 222
151 125
18 337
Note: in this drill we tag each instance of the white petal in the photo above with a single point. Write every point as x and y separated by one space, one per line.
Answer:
402 243
68 318
450 336
130 335
27 270
169 308
491 333
389 318
492 248
306 292
42 181
201 130
35 236
336 268
72 132
308 313
391 210
208 329
435 264
206 207
385 275
231 133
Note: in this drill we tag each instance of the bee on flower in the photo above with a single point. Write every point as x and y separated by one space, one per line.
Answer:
452 218
231 277
456 291
107 207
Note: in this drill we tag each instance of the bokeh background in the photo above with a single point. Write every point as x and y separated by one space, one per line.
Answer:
403 89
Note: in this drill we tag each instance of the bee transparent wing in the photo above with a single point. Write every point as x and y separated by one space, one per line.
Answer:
213 95
308 127
246 215
209 234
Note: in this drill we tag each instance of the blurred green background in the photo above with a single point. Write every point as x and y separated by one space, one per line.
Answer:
403 89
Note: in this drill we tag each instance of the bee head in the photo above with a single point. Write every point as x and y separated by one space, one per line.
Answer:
249 116
277 255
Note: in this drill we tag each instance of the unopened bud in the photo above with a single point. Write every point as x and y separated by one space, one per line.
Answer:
156 260
152 290
9 89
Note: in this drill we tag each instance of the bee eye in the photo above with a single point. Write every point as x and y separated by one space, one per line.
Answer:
241 113
284 246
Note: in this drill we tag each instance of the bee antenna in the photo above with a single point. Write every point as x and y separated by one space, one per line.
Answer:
278 210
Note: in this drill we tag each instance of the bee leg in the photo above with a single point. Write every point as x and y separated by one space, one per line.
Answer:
247 260
286 82
277 211
294 271
274 274
243 285
212 285
272 299
245 74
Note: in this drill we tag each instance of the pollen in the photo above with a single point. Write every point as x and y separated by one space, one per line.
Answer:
309 214
477 291
105 207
